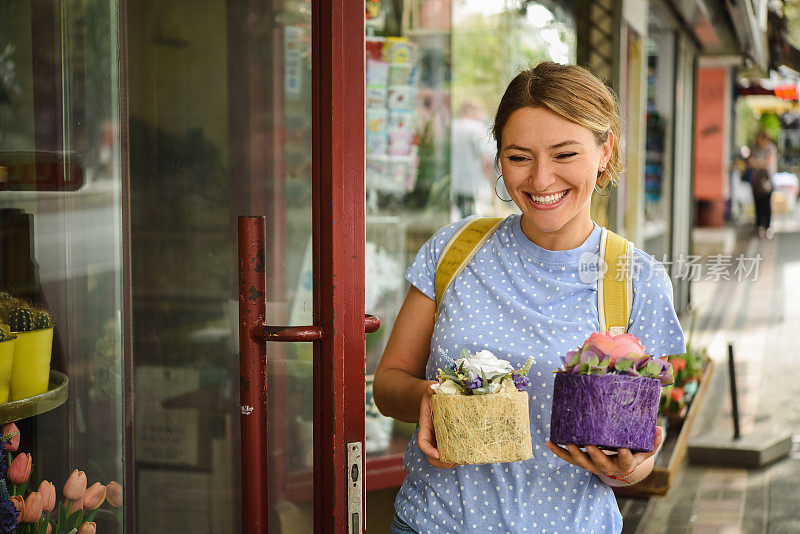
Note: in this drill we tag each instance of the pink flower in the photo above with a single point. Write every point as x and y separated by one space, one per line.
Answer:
88 528
624 345
48 492
10 431
20 469
75 486
32 511
49 529
94 496
114 494
603 341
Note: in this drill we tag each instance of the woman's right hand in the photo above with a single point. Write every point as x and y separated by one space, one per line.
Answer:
426 437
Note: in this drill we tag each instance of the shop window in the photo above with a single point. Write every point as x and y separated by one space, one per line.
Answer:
435 73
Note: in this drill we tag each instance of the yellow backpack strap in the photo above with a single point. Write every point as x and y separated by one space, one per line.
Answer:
460 250
615 287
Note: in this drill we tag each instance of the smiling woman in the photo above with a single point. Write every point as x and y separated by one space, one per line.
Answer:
520 296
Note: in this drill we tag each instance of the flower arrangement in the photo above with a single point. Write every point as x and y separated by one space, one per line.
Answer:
480 410
31 513
603 353
607 394
480 374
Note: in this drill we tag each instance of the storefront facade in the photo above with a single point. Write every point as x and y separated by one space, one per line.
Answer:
133 136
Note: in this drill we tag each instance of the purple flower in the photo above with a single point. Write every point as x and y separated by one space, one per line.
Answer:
8 516
475 383
521 381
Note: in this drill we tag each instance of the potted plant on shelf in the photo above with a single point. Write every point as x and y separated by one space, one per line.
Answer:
7 343
30 371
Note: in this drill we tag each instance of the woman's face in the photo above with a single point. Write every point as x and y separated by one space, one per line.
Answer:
550 167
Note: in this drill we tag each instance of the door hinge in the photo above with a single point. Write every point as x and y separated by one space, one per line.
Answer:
355 476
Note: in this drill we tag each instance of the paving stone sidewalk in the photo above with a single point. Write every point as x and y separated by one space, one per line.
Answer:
761 318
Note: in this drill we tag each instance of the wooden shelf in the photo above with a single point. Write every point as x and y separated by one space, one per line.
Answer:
673 451
55 396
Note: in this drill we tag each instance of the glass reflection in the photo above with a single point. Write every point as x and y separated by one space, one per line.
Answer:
60 224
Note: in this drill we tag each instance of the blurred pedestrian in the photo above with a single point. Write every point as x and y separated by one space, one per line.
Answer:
763 163
471 176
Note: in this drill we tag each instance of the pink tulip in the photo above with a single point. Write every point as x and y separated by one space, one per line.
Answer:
94 496
19 504
114 494
75 486
87 528
10 431
49 529
48 492
32 511
20 469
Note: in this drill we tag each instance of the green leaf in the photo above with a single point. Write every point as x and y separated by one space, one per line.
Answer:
449 373
75 519
62 516
623 364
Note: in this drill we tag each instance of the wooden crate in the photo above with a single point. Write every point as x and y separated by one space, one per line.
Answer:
673 451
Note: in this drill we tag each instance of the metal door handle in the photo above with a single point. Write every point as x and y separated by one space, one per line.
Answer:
266 332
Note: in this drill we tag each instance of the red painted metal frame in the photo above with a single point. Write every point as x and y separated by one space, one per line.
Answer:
337 52
253 375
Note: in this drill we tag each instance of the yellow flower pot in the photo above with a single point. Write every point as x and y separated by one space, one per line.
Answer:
6 360
31 370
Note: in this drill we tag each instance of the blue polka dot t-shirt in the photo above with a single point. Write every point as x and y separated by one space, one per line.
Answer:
517 299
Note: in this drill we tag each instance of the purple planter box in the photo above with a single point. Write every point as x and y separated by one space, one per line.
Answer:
611 411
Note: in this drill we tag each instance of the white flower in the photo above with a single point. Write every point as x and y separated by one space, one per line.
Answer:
486 362
506 386
448 387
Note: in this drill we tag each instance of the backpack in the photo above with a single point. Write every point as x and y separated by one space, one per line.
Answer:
614 293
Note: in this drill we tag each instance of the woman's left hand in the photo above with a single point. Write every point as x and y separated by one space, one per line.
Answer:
600 463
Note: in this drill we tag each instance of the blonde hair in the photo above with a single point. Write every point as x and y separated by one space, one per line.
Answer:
573 93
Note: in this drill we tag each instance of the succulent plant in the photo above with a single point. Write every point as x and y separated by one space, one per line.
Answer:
21 320
42 319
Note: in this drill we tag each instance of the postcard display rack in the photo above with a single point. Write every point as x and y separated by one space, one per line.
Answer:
391 139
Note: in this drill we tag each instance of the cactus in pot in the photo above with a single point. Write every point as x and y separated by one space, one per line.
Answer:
7 346
31 369
21 320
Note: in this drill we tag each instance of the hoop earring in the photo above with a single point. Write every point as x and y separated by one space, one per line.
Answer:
601 194
498 194
608 192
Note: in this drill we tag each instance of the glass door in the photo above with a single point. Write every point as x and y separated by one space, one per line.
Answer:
240 108
62 177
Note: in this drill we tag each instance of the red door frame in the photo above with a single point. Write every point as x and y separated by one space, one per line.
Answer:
337 69
339 321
